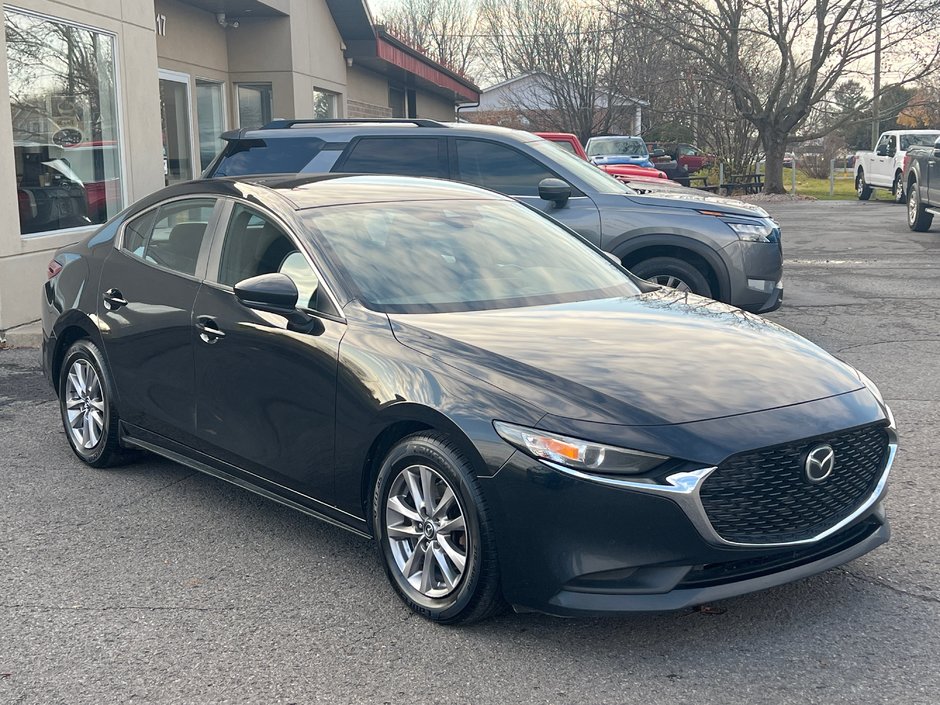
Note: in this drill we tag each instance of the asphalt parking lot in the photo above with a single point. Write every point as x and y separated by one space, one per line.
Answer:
155 584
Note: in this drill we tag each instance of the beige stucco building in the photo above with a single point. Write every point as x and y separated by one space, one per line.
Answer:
104 101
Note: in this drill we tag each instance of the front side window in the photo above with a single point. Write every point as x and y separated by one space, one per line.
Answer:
405 156
255 245
171 236
460 256
499 168
66 137
254 104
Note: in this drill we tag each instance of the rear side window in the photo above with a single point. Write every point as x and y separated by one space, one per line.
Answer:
171 235
285 155
405 156
499 168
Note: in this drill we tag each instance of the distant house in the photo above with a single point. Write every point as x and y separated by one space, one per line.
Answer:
539 101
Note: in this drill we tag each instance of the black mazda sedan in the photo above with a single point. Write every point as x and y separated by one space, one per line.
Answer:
514 418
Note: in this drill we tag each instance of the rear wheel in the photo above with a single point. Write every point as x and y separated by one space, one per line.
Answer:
918 219
674 273
433 532
898 189
86 405
861 188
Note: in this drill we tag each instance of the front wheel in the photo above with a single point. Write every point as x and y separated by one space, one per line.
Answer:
861 188
918 219
898 189
674 273
434 536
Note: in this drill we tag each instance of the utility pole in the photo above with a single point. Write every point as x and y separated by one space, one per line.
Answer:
876 100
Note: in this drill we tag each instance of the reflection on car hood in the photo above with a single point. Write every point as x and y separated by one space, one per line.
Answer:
658 358
696 199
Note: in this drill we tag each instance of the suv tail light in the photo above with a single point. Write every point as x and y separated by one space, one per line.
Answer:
53 269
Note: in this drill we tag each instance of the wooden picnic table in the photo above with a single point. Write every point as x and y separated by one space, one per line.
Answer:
749 183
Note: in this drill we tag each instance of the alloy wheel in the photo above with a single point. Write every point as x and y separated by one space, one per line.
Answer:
426 531
899 190
84 404
671 281
913 202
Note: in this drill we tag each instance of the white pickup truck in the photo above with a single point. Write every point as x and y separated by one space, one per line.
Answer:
884 167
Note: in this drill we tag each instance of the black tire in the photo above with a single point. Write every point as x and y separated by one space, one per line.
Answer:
897 189
476 595
107 450
662 270
861 188
918 219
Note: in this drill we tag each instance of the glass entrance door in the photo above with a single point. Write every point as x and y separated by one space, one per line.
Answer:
176 123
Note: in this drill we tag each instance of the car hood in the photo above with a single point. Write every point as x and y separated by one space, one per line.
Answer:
699 200
658 358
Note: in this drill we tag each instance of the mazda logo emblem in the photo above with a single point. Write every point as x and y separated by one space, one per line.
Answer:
819 464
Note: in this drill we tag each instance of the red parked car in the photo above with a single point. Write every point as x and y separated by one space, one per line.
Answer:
688 157
571 143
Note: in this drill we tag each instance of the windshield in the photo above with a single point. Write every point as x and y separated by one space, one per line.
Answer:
598 180
924 139
628 146
440 256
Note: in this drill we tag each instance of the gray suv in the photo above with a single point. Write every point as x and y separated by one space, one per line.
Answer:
717 247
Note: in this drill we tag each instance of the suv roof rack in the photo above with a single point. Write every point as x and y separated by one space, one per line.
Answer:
419 122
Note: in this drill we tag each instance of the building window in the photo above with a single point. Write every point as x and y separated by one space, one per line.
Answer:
176 127
254 104
324 104
210 115
66 137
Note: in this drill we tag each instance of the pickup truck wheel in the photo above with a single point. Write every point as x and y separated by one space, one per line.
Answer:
918 219
898 189
674 273
861 188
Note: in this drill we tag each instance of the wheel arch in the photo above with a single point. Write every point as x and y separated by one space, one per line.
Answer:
700 256
400 421
72 326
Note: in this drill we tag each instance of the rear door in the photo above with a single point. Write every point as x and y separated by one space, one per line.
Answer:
147 288
505 169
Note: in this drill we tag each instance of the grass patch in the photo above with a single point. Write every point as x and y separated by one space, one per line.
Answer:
819 188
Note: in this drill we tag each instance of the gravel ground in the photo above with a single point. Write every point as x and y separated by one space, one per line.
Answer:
154 584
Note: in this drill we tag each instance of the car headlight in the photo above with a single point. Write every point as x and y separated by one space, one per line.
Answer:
752 232
576 453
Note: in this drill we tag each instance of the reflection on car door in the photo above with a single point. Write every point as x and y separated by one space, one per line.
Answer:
147 288
266 391
504 169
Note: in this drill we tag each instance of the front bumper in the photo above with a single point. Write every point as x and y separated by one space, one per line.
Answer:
756 275
572 544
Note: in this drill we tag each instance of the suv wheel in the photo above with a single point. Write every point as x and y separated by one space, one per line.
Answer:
861 188
674 273
918 219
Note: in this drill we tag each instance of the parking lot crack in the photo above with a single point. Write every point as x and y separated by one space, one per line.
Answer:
880 582
889 342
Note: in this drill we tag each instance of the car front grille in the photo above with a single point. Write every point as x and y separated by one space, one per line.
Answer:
764 496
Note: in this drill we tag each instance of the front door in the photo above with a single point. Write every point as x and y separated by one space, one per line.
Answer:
266 390
147 289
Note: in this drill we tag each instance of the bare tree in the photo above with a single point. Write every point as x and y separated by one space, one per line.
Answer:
446 30
777 60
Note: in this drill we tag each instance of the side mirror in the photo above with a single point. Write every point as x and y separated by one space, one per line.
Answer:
555 190
882 150
658 152
275 293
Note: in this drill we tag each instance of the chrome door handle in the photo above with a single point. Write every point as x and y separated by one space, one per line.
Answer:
113 299
209 331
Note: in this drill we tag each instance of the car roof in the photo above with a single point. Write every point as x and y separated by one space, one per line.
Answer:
345 130
303 191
